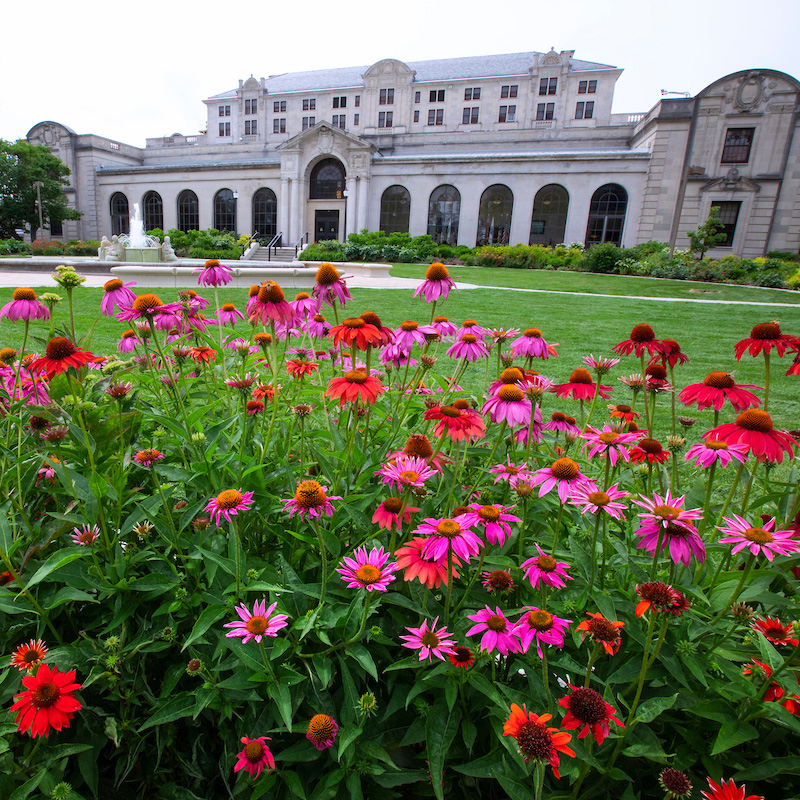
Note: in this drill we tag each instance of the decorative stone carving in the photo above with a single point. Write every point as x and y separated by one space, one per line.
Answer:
748 93
325 141
551 59
168 253
102 251
114 250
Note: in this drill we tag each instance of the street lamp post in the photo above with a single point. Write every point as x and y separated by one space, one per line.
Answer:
39 185
345 194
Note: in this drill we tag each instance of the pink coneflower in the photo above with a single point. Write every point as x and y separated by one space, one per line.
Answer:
587 710
716 451
416 564
497 630
318 327
329 286
539 625
148 457
716 389
388 514
213 274
116 293
368 570
468 347
228 504
509 405
649 450
609 443
310 499
85 535
563 473
512 473
600 365
446 534
408 334
500 335
668 522
24 306
561 423
429 641
355 386
763 539
642 339
581 386
406 472
256 625
444 327
437 284
546 569
304 305
255 756
270 305
493 519
498 580
128 342
755 429
470 326
533 429
595 501
322 730
228 314
530 345
242 383
457 423
29 656
143 307
762 339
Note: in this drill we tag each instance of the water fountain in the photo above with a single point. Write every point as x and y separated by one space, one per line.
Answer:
137 245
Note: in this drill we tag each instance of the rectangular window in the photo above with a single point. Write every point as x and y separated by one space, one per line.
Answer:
279 125
589 110
355 120
340 102
358 101
472 94
224 129
222 111
307 123
250 106
250 127
738 142
416 115
385 119
305 105
545 111
436 116
436 96
547 85
507 114
587 87
592 87
728 216
386 97
227 111
470 116
339 120
584 110
503 113
310 104
417 96
279 106
509 91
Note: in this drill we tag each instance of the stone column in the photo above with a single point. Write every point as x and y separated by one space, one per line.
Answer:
363 203
301 215
283 209
351 187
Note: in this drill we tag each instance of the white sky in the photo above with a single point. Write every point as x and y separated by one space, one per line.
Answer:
143 68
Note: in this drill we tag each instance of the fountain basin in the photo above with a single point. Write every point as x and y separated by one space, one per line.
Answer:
147 255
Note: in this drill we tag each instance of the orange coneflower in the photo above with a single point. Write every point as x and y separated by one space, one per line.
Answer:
28 656
60 355
355 385
535 740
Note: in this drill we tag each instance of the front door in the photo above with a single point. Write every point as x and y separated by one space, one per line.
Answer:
326 225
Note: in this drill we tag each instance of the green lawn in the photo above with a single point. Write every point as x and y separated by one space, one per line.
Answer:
590 283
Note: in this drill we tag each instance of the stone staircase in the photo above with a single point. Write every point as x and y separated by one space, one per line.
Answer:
277 254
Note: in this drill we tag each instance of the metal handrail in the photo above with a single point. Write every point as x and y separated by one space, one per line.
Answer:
273 244
299 243
247 243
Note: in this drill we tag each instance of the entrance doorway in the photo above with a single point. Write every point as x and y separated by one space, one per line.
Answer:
326 225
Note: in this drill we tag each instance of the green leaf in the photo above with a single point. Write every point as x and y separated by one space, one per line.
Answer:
441 726
59 559
515 789
177 708
209 616
450 693
469 731
69 594
731 733
292 780
651 708
98 486
283 699
485 767
350 734
769 769
21 792
361 654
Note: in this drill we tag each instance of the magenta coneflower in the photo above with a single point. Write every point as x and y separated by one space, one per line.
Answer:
311 500
408 334
755 429
24 306
261 622
716 389
213 274
322 730
304 305
758 539
329 286
530 345
116 294
561 423
437 284
539 625
493 519
85 535
143 307
665 520
546 569
470 326
368 570
446 534
498 580
563 473
600 365
228 314
388 514
469 347
592 500
429 641
510 405
581 386
512 473
445 328
228 504
497 630
270 304
609 443
642 339
716 451
406 472
255 756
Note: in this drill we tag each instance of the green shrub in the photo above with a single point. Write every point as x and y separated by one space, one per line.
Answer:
794 281
674 269
772 279
324 251
88 248
229 254
602 258
10 247
45 247
783 255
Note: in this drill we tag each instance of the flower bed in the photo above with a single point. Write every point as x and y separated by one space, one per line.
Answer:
296 559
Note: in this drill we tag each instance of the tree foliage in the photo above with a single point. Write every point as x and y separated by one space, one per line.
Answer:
21 165
708 235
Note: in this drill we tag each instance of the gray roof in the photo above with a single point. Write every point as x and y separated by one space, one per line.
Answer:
442 69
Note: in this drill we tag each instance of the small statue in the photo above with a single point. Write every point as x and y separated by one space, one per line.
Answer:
168 252
114 252
103 249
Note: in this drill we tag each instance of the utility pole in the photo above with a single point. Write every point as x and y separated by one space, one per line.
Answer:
39 185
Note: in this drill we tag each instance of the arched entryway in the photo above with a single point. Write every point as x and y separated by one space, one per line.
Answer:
327 200
607 215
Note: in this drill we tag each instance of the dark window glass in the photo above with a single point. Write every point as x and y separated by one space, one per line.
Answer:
385 119
502 115
473 118
222 111
225 211
592 87
465 117
279 125
279 106
728 216
417 96
188 211
476 94
395 210
153 208
358 101
444 208
355 120
512 114
551 89
540 111
512 90
549 219
416 115
494 215
265 213
607 215
432 96
579 109
56 228
543 86
589 109
738 142
504 91
327 180
250 127
468 94
120 216
582 87
431 116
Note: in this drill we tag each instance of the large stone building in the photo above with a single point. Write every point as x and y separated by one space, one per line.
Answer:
521 147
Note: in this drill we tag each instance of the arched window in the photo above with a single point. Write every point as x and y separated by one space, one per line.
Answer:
549 220
188 211
225 211
153 211
265 213
395 210
607 215
494 215
444 210
327 180
120 215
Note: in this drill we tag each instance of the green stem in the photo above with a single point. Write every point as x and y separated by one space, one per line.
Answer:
449 581
324 557
732 599
766 379
592 659
594 549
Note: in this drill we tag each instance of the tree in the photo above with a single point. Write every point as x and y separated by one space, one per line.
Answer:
708 235
21 165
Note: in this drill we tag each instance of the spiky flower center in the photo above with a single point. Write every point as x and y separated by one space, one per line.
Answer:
441 319
587 706
356 376
540 619
367 574
494 622
603 630
32 655
469 338
642 333
450 411
321 727
558 416
309 494
462 404
327 274
262 338
758 535
599 499
392 505
546 563
437 272
462 655
623 409
754 419
354 323
534 741
449 528
719 380
429 639
409 325
319 318
418 445
146 302
112 285
270 292
666 512
675 782
565 469
580 375
7 354
489 513
511 375
499 580
657 593
60 348
510 394
766 330
228 307
409 476
254 751
148 454
371 318
256 625
716 444
656 372
230 498
608 437
651 446
23 294
45 695
302 296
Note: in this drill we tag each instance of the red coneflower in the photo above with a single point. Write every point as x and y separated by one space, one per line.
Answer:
203 355
728 791
762 339
462 657
355 385
754 427
59 356
656 595
642 339
355 331
28 656
297 367
535 741
675 783
716 389
457 423
416 564
602 631
580 386
391 514
671 354
147 457
48 701
622 411
649 450
774 631
587 710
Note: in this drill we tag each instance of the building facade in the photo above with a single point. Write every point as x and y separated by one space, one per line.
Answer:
514 148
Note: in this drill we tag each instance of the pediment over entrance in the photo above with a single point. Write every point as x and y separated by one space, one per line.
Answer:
323 140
